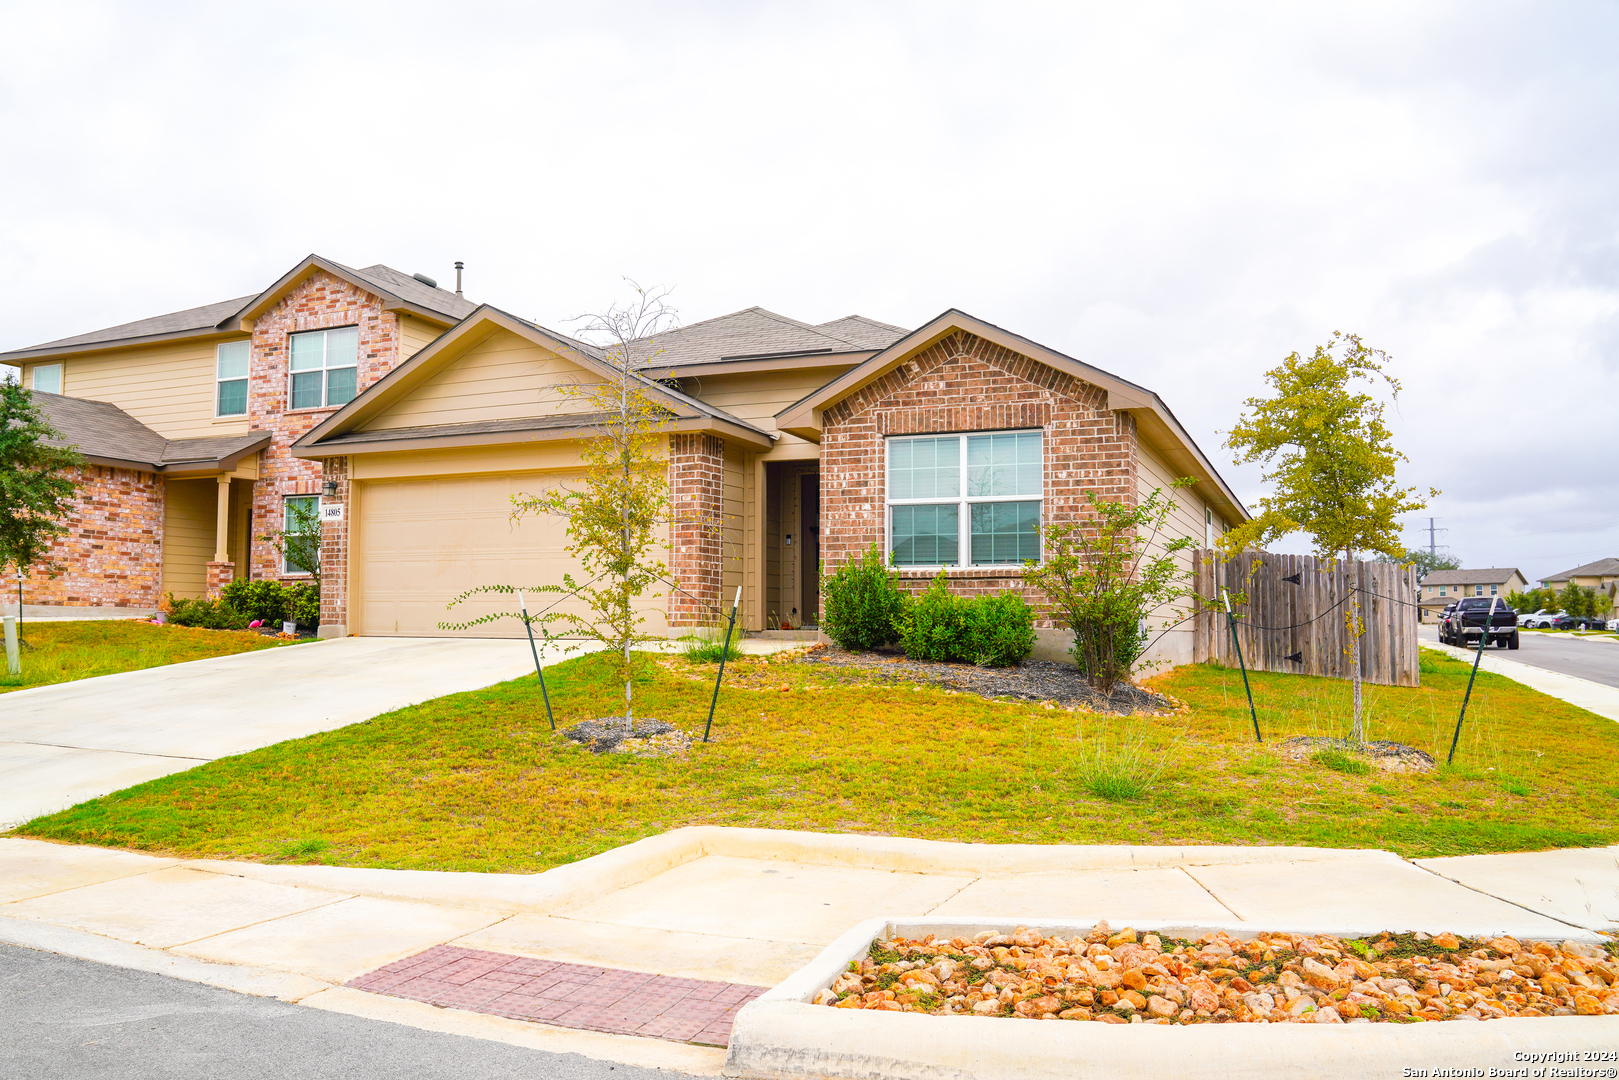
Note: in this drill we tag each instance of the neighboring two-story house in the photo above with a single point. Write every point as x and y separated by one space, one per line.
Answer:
411 416
1444 587
1601 576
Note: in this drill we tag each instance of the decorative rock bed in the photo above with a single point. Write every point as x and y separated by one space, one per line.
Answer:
648 738
941 1024
1121 978
1382 755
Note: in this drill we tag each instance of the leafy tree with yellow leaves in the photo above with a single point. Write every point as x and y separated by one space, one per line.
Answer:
1331 463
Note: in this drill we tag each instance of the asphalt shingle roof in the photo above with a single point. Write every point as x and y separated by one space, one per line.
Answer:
1490 575
101 429
206 317
757 332
1600 568
210 316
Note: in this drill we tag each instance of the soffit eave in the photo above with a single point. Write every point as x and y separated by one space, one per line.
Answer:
322 451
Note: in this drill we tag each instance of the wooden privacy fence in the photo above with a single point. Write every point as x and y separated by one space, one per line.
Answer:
1296 616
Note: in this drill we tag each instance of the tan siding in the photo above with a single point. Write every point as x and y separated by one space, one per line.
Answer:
188 535
169 387
1152 472
738 464
503 377
759 396
415 335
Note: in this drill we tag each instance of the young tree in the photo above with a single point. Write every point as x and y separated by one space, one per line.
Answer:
1331 463
1574 600
614 516
1106 578
299 546
36 485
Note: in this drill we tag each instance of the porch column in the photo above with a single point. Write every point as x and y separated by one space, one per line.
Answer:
221 572
222 521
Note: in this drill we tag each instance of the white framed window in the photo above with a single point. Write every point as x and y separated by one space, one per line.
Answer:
1208 527
47 378
971 499
321 367
1493 588
1442 589
292 526
1478 590
230 378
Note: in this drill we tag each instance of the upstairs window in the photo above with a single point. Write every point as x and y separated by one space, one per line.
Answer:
48 378
230 398
965 499
322 367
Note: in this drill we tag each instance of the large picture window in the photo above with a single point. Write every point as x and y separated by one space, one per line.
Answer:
322 367
231 375
958 500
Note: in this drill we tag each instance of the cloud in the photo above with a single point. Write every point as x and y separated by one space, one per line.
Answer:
1180 193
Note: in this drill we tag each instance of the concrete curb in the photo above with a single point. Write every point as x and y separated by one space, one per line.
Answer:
578 883
781 1036
82 945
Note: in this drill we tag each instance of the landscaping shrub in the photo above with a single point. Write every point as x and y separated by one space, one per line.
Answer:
1000 630
303 604
862 603
710 645
934 627
205 614
991 631
267 601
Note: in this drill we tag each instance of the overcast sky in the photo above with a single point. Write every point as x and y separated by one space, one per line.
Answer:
1180 194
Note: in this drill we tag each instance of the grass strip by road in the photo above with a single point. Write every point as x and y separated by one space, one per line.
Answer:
477 781
66 650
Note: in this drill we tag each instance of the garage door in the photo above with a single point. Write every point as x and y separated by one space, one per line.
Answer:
423 542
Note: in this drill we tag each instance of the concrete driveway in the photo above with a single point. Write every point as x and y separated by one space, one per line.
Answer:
63 744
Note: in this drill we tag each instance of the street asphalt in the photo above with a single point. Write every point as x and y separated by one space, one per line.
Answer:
1594 660
69 1019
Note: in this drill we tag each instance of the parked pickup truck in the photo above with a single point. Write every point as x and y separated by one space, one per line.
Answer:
1471 619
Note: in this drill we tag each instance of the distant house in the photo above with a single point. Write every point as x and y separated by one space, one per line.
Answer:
1445 586
1602 575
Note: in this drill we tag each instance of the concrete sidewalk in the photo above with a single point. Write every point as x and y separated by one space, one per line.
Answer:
745 906
1590 696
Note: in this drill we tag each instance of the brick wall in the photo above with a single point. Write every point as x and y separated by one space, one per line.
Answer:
320 302
965 383
334 550
697 486
113 550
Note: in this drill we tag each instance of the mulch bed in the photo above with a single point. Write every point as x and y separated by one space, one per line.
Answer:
1115 978
609 735
1032 680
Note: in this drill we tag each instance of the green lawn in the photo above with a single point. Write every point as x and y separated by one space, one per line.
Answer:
477 781
62 651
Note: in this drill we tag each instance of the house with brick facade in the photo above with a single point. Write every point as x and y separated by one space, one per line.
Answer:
411 416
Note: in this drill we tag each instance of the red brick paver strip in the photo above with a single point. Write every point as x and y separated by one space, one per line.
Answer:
567 995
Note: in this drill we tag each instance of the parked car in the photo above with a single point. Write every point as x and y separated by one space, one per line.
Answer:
1444 622
1613 624
1541 620
1561 621
1473 623
1590 622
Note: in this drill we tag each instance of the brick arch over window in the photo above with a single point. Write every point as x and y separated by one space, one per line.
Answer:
959 384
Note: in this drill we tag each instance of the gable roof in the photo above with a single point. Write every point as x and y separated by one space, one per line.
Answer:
754 333
1489 575
1600 568
1156 423
399 292
339 430
106 435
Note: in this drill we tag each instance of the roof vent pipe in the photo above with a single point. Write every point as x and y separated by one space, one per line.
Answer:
458 265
